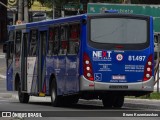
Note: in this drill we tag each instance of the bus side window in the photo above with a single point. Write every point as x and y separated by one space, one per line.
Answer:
56 40
50 43
63 40
33 43
18 43
74 38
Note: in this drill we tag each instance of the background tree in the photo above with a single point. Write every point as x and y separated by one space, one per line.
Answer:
58 3
145 1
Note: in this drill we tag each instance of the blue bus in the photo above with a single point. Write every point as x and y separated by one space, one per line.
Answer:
91 56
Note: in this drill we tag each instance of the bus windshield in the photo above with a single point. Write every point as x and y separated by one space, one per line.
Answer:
118 31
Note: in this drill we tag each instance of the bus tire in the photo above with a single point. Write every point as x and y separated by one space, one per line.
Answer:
69 100
56 100
75 99
118 102
23 97
107 101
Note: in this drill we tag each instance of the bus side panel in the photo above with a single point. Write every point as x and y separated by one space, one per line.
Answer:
72 63
66 72
60 74
10 78
54 67
49 71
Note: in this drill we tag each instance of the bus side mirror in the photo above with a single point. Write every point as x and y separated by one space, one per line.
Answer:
4 48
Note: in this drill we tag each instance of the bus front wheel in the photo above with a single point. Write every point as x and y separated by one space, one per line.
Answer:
23 97
55 99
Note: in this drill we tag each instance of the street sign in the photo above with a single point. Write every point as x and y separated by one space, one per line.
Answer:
12 2
73 6
151 10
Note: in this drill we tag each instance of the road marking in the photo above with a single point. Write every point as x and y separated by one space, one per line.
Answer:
2 76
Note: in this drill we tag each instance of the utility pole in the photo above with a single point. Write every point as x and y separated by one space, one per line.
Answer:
14 12
129 1
26 18
53 9
3 21
20 10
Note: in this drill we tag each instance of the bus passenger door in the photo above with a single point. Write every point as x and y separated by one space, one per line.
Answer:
42 62
32 62
9 57
24 62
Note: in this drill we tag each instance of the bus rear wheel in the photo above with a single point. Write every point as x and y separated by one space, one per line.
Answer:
118 102
23 97
55 99
69 100
107 101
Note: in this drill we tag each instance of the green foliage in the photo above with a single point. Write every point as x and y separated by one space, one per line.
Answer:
57 3
30 3
60 3
153 95
113 1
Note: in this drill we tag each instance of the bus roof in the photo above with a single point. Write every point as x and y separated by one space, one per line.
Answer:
65 19
47 22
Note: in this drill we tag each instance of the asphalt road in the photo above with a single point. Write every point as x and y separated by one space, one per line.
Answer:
83 109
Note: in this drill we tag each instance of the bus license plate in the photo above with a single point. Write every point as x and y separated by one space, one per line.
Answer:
118 77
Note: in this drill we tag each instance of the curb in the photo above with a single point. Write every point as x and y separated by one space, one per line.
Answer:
137 99
2 76
6 95
33 98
